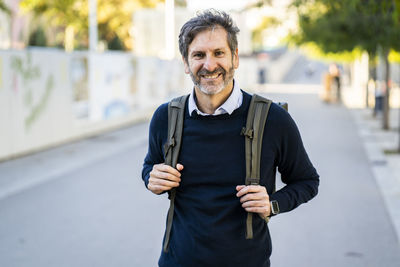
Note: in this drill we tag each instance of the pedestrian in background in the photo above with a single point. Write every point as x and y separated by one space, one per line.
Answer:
331 92
335 82
212 202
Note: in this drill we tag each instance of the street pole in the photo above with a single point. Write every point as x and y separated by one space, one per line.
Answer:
94 113
169 29
93 25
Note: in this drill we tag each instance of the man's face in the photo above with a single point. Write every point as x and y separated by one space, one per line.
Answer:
210 62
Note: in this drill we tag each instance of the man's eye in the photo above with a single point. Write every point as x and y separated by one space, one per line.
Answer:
198 55
219 53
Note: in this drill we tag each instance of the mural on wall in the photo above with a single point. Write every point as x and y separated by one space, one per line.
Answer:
110 93
133 78
118 80
25 70
79 77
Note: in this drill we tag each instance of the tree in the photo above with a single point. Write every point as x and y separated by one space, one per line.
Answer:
71 18
4 8
345 25
257 33
37 37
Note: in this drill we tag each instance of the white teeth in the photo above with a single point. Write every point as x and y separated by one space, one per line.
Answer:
210 76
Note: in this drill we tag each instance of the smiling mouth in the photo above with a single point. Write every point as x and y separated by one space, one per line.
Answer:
214 76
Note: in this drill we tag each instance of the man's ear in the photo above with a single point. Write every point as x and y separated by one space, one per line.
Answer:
186 66
236 59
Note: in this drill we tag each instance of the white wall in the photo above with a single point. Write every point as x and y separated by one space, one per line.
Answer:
40 105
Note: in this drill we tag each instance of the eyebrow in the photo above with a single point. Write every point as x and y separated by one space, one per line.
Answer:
202 51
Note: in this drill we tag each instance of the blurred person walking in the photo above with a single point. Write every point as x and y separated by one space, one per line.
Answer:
332 85
336 82
208 221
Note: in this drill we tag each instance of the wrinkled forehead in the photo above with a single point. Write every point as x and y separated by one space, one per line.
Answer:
212 36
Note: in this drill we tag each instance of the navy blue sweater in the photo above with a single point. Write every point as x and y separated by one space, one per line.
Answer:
209 224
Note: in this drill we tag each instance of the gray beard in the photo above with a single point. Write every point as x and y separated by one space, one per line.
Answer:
227 78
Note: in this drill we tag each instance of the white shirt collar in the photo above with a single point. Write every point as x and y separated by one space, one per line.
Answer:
233 102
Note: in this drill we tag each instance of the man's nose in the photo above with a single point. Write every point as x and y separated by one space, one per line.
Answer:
210 64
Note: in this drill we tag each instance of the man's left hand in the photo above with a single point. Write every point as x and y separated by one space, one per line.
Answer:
254 198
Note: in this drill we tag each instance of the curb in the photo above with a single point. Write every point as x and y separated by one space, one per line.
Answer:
386 168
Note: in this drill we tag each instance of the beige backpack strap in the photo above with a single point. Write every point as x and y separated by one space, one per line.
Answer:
176 112
253 132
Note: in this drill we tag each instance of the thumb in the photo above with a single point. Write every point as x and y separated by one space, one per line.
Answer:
179 167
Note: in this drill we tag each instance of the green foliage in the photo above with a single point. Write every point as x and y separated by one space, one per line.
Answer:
344 25
114 18
314 51
180 3
37 38
394 56
115 44
253 4
257 33
59 15
4 8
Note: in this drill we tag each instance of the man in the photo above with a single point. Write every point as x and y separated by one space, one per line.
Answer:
211 203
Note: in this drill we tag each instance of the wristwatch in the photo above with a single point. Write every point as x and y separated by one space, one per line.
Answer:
274 207
274 210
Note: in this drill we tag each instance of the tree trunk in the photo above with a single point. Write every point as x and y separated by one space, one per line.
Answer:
370 66
386 102
398 147
69 38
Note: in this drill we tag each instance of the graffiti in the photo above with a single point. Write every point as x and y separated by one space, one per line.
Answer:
27 74
25 70
39 107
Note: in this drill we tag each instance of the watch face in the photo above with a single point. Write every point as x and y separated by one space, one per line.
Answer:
274 207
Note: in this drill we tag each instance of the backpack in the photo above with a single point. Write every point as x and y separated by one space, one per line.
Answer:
253 132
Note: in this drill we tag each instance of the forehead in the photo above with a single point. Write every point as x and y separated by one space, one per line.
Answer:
210 39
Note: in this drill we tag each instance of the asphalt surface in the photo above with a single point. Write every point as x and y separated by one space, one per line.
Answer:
84 204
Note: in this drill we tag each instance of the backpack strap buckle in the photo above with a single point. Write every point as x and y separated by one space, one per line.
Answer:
169 145
252 181
171 142
249 133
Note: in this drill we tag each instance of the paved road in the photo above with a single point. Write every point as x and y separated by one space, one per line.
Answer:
87 205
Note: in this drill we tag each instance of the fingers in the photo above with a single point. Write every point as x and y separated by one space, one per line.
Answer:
167 169
157 174
158 189
243 190
163 182
158 186
240 187
164 178
179 167
254 198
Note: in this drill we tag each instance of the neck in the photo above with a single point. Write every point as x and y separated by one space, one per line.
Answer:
209 103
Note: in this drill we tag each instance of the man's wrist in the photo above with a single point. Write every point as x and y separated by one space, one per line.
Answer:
265 217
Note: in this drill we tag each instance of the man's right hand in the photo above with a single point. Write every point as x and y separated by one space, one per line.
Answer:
164 178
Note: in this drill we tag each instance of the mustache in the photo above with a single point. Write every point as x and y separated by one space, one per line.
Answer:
206 72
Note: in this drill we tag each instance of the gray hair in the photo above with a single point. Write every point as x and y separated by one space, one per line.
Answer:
207 20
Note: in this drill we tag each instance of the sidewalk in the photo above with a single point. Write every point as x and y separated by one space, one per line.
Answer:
385 166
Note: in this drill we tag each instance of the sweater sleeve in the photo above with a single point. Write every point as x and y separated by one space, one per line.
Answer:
157 136
297 171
